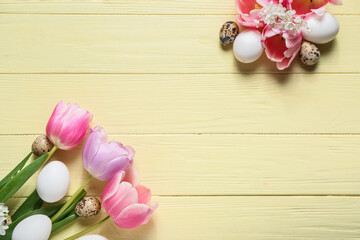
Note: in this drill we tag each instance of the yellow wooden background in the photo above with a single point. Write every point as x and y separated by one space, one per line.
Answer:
230 151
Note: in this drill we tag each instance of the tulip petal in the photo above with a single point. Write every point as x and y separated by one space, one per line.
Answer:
320 11
96 137
275 45
264 3
305 6
132 176
124 197
112 186
144 194
135 215
107 153
245 6
287 61
68 125
121 163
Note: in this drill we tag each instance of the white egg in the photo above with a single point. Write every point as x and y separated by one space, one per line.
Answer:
322 29
36 227
247 46
92 237
53 182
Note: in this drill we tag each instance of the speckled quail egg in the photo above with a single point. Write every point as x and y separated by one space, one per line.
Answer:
309 53
88 207
41 145
228 33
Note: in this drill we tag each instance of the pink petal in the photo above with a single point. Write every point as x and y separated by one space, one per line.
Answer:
134 216
144 194
245 6
112 187
275 45
336 2
124 197
264 3
68 125
320 11
287 61
251 20
303 7
132 176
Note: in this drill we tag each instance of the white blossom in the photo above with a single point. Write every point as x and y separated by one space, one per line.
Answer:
277 16
4 212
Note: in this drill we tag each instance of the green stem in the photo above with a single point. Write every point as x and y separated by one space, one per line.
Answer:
15 183
60 224
71 200
72 206
52 151
90 229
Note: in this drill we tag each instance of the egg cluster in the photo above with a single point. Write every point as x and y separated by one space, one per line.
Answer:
277 29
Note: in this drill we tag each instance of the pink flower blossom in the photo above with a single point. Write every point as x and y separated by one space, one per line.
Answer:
126 202
102 159
68 125
303 7
280 47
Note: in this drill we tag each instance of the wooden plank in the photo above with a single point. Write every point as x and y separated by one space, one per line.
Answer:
144 44
233 218
222 164
223 103
141 7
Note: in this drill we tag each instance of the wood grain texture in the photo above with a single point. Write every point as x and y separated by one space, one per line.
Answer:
222 164
234 218
130 44
230 151
223 103
140 7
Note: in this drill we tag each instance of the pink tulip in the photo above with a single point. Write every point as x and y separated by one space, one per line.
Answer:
281 48
102 159
303 7
126 202
68 125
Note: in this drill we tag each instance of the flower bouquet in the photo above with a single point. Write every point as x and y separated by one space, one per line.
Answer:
125 201
279 27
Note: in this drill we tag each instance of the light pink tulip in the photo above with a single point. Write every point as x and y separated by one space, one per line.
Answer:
68 125
281 48
303 7
126 202
102 159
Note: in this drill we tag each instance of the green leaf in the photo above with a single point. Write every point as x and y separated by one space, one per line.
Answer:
14 171
50 211
73 205
69 219
33 202
12 186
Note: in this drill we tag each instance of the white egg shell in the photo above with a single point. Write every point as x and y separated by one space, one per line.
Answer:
53 182
92 237
322 29
36 227
247 46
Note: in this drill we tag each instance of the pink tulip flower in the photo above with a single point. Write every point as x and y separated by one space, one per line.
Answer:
303 7
68 125
281 48
102 159
126 202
